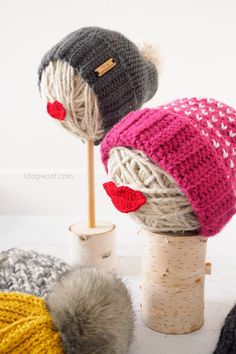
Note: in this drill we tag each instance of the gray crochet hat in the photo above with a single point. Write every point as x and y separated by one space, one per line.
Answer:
227 340
29 272
122 78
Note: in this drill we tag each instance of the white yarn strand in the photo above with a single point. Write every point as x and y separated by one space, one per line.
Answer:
60 82
167 208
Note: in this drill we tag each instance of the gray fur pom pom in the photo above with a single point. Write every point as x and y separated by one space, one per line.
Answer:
93 312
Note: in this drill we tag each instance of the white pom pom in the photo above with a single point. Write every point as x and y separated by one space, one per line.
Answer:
151 53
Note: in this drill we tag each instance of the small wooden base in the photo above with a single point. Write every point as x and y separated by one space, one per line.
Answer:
95 246
173 275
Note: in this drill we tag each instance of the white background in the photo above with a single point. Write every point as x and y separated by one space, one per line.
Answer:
197 44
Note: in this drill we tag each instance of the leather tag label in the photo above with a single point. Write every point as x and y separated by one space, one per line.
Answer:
105 67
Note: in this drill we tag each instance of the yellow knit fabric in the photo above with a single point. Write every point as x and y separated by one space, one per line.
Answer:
26 326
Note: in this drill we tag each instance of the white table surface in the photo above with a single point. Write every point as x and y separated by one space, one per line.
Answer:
50 235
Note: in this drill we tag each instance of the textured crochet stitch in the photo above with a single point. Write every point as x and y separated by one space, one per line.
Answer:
194 140
29 272
26 325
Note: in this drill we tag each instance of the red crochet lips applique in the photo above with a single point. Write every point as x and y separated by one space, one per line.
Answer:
124 198
56 110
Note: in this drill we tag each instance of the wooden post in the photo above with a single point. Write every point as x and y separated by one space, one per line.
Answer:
90 175
173 276
93 243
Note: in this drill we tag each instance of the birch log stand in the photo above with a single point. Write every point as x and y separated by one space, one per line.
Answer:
173 277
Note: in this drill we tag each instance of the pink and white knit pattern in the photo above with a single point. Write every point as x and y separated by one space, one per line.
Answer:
194 140
215 120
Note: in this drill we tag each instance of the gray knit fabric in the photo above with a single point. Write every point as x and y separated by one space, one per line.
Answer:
131 83
227 339
29 272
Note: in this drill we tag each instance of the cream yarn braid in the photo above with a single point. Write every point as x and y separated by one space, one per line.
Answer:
60 82
167 209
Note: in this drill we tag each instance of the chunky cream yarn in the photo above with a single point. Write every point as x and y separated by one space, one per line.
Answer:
60 82
167 209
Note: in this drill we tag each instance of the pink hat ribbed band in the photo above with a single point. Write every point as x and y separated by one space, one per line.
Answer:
194 140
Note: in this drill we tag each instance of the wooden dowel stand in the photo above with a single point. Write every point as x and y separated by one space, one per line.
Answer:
91 188
93 243
173 276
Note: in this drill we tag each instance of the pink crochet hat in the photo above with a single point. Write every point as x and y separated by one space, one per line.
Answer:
194 141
